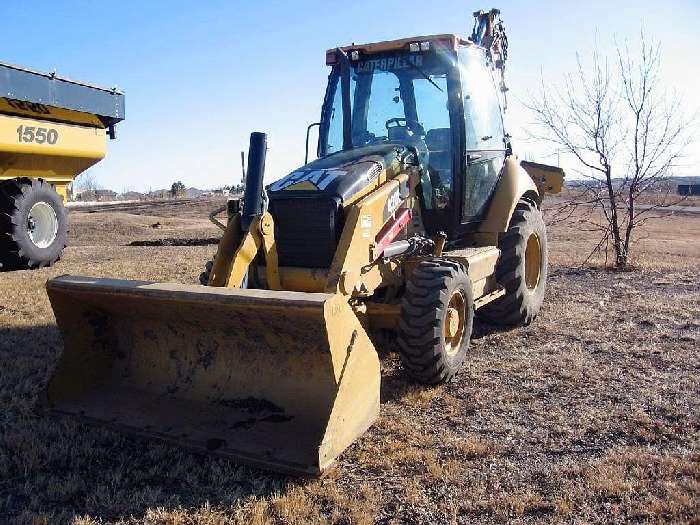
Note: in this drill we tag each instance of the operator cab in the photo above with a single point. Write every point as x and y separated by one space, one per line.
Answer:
436 95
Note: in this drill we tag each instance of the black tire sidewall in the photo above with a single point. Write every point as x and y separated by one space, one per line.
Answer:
39 191
520 305
533 299
454 362
424 308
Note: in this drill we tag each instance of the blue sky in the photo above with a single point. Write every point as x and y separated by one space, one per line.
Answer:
199 76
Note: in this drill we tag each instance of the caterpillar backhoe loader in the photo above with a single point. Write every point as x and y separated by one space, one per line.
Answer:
415 216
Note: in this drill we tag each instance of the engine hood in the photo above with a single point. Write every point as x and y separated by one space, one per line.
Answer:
340 175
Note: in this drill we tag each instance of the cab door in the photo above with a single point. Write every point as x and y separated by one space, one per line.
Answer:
485 142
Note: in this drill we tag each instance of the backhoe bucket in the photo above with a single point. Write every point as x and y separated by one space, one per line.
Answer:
282 380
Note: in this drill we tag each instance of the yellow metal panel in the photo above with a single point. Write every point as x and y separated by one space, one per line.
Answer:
549 179
272 273
43 112
480 261
246 252
297 279
353 270
62 190
71 140
72 150
303 279
221 268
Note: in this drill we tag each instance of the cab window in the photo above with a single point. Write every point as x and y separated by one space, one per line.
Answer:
484 134
482 110
399 97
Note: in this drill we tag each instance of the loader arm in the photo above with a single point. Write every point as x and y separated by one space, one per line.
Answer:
231 264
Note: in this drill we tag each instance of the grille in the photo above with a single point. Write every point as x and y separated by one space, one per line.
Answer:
306 231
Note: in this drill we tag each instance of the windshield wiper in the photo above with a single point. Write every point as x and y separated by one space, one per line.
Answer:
425 76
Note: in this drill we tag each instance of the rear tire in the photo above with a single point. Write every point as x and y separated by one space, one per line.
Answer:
33 224
522 269
437 314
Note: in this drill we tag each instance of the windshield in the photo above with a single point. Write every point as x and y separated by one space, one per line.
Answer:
400 98
397 97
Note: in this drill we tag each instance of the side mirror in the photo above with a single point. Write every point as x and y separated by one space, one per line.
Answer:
308 131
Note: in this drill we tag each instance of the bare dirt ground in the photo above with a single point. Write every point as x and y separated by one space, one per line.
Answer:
589 415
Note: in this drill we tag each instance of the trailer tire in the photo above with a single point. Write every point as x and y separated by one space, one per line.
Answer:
437 315
521 269
33 224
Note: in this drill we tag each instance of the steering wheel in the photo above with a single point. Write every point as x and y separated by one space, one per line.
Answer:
402 122
397 122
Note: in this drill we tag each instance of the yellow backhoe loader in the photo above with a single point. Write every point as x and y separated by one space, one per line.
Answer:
415 216
51 130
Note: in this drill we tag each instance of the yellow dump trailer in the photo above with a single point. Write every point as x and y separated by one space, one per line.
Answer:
51 130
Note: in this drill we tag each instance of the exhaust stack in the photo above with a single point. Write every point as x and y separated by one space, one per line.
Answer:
253 200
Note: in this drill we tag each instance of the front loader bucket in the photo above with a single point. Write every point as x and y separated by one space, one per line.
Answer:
282 380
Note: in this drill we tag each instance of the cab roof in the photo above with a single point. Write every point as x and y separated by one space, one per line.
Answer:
403 43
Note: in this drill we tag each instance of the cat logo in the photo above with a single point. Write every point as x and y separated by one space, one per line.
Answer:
390 63
307 180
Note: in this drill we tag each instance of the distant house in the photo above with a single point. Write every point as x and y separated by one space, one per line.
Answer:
105 195
193 193
96 195
85 195
132 196
159 194
687 190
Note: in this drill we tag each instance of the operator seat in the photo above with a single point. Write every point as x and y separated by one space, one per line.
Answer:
439 144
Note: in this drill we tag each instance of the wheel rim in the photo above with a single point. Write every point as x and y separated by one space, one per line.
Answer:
42 224
454 323
533 261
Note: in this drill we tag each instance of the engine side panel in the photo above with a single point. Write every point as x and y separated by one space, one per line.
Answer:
310 205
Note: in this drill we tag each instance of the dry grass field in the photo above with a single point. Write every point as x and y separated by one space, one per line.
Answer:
589 415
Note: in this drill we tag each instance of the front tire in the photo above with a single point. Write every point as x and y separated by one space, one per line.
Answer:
437 315
521 269
33 224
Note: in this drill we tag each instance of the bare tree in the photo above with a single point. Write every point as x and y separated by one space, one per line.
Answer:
86 181
626 134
